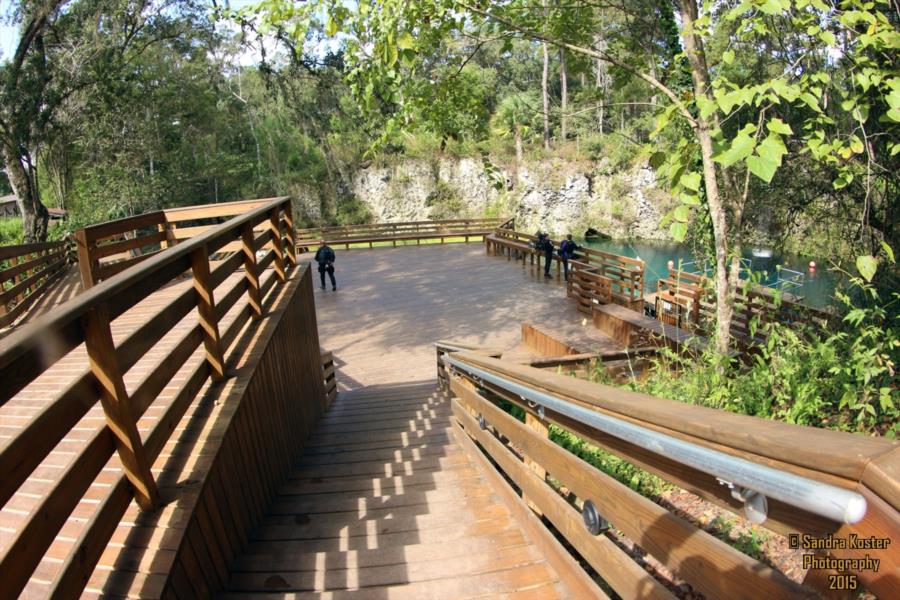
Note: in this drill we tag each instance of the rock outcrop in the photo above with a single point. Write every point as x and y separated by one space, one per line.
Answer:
553 195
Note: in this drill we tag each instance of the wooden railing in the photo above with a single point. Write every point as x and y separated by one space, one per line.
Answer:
39 346
683 300
596 277
109 248
368 235
678 299
26 272
526 456
329 377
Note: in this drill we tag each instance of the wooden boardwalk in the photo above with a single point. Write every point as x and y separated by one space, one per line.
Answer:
392 304
386 504
383 449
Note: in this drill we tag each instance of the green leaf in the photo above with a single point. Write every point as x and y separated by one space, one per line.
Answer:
762 167
810 101
406 41
889 251
741 147
728 57
657 159
331 27
828 38
706 106
691 181
689 199
678 231
867 265
772 149
776 125
682 213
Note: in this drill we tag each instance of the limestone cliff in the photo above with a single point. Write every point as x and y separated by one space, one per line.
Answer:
553 195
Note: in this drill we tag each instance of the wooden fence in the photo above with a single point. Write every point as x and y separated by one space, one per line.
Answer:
369 235
525 455
26 272
109 248
84 324
683 300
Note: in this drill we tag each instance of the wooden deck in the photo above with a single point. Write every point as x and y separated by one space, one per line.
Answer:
392 304
385 504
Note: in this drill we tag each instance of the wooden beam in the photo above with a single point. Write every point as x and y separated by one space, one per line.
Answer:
277 244
206 307
87 265
117 406
251 271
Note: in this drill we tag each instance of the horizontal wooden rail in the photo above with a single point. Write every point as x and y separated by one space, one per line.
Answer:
681 300
27 271
596 277
86 324
107 249
865 465
370 234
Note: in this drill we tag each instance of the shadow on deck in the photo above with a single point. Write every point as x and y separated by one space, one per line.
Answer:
385 504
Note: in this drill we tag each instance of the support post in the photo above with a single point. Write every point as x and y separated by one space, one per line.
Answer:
277 244
292 233
540 428
86 265
251 270
206 307
117 406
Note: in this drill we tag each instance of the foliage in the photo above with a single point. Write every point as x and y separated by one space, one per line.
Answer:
634 477
444 202
822 376
10 231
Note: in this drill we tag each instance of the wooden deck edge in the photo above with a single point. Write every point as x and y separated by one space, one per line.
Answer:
545 342
571 574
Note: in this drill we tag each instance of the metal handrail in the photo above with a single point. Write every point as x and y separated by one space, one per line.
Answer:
749 482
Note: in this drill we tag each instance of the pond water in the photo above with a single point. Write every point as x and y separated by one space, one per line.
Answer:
815 288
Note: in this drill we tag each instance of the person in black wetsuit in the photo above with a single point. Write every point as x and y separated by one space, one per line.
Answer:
547 246
567 250
325 258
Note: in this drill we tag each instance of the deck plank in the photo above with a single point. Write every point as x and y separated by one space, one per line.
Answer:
430 527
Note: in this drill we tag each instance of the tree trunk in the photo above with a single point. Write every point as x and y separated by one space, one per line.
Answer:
564 96
34 213
693 48
546 96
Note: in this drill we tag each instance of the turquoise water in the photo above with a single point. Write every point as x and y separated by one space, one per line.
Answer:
816 288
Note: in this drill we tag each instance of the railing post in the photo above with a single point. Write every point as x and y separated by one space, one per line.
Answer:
206 307
277 243
86 264
117 406
251 270
292 233
540 428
